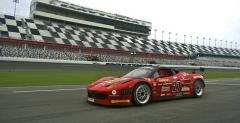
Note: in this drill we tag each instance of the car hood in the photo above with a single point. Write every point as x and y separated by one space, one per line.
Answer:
110 81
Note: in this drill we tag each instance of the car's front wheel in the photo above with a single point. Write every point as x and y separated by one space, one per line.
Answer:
141 94
198 88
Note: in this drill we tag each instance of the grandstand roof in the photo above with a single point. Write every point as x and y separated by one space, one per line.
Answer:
54 10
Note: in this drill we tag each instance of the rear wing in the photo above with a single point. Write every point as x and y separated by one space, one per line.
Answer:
189 67
198 68
186 67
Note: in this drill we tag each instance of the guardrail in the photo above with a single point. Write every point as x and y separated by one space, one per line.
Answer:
48 60
111 63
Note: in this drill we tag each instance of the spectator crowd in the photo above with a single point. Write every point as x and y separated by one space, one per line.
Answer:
60 53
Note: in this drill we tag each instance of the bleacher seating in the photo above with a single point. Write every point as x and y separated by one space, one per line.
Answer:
45 52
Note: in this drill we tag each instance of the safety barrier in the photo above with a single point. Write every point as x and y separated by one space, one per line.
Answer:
112 63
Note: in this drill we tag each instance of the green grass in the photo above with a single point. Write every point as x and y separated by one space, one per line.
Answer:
221 74
37 78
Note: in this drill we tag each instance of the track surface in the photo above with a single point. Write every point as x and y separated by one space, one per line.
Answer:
57 104
37 66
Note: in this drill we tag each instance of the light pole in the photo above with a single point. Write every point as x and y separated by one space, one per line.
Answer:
15 6
226 43
155 34
133 53
184 38
0 30
197 40
191 39
162 35
169 39
221 43
176 37
209 42
215 42
203 40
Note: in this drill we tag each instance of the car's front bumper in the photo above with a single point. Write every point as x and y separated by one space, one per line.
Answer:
108 99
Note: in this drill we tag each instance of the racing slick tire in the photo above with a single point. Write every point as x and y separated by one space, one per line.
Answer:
198 88
141 94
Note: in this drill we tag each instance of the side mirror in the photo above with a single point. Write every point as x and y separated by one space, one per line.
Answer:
202 69
155 79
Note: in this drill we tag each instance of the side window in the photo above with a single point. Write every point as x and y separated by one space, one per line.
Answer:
156 75
165 73
174 72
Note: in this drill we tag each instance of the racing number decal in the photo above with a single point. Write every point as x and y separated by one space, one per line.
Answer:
176 87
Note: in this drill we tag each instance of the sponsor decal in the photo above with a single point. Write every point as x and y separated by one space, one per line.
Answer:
114 83
90 99
154 84
163 94
147 79
187 83
108 82
197 77
184 74
165 88
186 93
185 88
159 84
167 83
120 101
176 86
169 94
162 80
178 94
185 79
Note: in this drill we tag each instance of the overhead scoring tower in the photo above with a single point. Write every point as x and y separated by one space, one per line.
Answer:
59 11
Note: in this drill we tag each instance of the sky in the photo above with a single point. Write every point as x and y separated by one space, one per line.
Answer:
214 19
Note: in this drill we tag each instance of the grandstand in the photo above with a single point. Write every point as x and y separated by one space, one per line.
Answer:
58 11
88 34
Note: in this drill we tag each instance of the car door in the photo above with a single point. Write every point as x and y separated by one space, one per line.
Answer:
166 83
185 82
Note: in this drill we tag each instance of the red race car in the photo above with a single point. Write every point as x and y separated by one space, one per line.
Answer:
144 84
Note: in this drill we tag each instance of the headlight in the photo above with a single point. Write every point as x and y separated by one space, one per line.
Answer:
114 92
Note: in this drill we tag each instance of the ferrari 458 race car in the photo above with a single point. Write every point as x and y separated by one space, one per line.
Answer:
144 84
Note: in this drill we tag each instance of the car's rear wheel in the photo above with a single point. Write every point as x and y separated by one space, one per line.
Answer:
198 88
141 94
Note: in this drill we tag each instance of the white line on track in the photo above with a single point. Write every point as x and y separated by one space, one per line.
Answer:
211 81
220 80
208 82
62 89
222 84
45 86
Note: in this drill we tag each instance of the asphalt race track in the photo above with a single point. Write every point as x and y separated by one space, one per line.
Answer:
57 104
33 66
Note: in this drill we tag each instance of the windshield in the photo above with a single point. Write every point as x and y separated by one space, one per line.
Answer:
140 72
